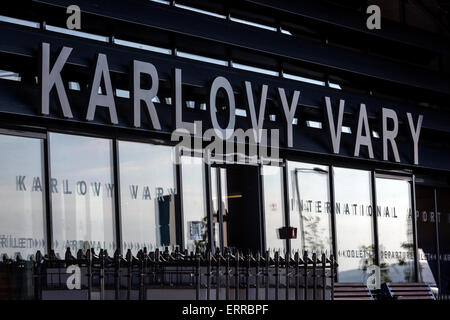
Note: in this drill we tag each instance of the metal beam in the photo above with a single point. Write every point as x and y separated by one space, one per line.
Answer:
346 19
21 42
183 22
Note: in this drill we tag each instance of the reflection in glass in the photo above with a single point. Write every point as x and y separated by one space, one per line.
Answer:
82 192
147 190
194 209
395 232
426 236
354 224
22 212
219 203
310 207
443 200
273 207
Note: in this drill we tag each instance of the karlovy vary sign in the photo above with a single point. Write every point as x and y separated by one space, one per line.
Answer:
146 193
50 79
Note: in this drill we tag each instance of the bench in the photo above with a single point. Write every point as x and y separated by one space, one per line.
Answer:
351 291
407 291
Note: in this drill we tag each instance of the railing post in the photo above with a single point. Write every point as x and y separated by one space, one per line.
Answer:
312 268
129 258
227 274
145 262
37 276
247 276
141 274
266 275
287 258
158 278
297 274
314 275
258 261
197 276
178 268
236 274
324 276
208 275
117 274
277 279
89 272
102 274
332 276
80 255
68 255
218 257
305 274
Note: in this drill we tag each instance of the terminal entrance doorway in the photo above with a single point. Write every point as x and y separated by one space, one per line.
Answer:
236 207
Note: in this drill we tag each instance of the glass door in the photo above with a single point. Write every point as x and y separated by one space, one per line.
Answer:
433 220
219 197
355 237
236 207
195 219
310 210
394 219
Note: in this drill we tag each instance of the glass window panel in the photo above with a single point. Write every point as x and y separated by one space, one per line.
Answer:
426 236
395 231
147 191
311 215
354 224
82 193
22 210
194 208
274 218
443 200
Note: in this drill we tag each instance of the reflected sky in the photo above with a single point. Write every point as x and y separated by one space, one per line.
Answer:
146 174
194 209
22 213
395 235
86 214
354 233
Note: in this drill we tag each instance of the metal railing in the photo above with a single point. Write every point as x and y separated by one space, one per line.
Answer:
231 275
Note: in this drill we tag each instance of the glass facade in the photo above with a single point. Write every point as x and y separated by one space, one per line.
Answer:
274 215
82 193
354 223
443 196
310 211
395 230
195 224
83 215
426 236
433 237
147 191
22 194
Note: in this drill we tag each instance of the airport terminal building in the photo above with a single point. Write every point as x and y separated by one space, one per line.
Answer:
354 159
